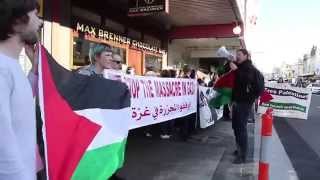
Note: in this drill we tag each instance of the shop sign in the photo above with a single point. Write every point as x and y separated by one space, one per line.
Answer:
146 7
109 36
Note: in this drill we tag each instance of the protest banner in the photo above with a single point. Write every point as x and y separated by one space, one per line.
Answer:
208 115
155 100
288 101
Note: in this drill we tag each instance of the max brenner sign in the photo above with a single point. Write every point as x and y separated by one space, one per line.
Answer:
145 7
109 36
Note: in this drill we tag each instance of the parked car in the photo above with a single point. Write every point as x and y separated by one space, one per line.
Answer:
315 88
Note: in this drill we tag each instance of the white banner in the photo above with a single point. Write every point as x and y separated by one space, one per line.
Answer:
155 100
207 115
288 101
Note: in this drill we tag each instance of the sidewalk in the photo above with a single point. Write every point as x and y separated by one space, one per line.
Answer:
280 165
206 156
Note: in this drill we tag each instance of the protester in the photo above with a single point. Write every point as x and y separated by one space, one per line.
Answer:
130 71
249 84
166 127
150 71
117 60
101 58
19 26
173 73
187 122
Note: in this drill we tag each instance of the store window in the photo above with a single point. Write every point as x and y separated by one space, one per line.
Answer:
81 48
153 61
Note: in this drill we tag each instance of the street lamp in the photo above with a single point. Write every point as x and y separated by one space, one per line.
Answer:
237 30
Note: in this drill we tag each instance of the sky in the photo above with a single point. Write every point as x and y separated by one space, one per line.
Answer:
285 31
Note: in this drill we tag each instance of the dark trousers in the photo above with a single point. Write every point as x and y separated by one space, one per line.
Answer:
188 125
167 127
240 115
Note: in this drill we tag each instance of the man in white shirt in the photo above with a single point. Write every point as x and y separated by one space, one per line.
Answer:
18 26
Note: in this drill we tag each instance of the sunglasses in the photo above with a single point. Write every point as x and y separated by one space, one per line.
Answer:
117 62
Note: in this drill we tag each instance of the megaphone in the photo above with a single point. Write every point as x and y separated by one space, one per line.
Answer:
224 53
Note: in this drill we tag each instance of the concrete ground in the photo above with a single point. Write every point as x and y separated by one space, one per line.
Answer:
206 156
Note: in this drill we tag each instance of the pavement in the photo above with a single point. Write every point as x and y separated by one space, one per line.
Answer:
205 156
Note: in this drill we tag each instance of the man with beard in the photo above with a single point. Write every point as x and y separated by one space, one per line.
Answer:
249 84
19 25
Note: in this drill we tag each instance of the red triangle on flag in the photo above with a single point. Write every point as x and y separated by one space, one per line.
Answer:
67 135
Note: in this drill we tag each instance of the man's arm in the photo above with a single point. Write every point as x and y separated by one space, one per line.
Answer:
11 165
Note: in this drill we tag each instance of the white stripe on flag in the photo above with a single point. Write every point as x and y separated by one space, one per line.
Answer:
115 125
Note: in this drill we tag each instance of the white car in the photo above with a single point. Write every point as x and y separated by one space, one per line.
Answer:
315 88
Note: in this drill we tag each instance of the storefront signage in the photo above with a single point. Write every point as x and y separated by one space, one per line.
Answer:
109 36
145 7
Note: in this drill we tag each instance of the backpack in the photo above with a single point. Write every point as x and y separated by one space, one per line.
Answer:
258 84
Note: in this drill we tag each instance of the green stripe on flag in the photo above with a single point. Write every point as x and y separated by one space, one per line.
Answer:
286 106
223 97
101 163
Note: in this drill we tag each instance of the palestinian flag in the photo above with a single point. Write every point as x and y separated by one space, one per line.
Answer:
265 97
223 87
85 122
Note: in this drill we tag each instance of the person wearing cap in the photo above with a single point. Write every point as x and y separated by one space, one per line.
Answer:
101 58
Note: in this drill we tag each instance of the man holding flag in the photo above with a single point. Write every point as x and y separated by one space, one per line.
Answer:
248 86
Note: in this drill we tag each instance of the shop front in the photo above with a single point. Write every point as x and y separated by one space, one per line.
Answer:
134 53
71 30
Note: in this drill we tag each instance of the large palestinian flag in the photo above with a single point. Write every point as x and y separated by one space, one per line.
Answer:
223 87
86 122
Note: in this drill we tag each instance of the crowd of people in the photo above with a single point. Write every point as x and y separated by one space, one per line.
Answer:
19 25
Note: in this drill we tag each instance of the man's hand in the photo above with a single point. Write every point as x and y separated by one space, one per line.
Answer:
33 57
233 66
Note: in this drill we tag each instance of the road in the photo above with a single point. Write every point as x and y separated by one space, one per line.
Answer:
301 139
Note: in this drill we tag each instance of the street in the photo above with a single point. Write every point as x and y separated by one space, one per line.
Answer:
300 139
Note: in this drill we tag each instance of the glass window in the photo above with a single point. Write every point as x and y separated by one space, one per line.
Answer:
153 61
81 49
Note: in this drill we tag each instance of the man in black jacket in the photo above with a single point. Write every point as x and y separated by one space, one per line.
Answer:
246 90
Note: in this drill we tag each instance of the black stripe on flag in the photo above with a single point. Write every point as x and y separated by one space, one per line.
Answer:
88 92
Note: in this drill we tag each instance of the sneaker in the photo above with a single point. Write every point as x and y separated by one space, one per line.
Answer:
165 136
148 134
